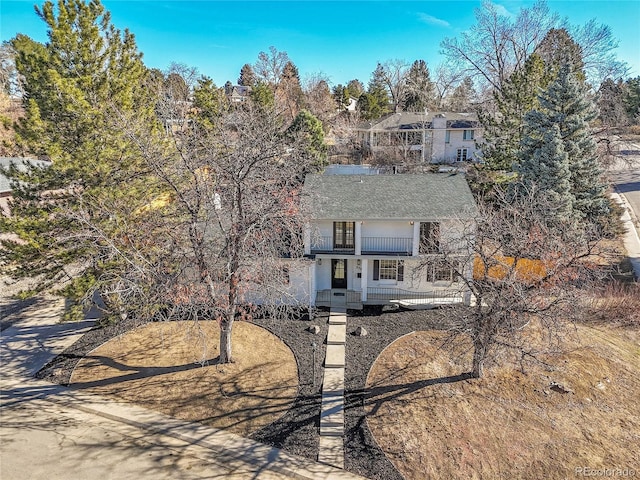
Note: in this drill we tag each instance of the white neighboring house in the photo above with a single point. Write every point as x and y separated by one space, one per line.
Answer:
440 137
367 233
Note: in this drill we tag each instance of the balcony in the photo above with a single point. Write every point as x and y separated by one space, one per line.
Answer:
387 246
370 246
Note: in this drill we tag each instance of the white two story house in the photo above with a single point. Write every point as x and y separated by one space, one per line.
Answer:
368 234
434 137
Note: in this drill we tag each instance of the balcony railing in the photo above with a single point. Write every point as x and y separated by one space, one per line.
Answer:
387 245
370 246
322 244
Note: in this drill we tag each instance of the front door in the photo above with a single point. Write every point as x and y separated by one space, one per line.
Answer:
338 273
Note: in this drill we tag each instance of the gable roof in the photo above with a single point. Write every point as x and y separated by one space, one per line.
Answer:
425 197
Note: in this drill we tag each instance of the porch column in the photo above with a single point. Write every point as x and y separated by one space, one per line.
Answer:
312 283
358 238
307 239
416 239
364 268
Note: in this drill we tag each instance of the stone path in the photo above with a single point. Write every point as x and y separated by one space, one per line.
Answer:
331 449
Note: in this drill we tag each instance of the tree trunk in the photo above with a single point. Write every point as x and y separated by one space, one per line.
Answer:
225 341
479 356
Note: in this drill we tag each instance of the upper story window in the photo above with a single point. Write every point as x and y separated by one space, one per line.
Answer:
429 237
447 136
462 154
343 234
467 135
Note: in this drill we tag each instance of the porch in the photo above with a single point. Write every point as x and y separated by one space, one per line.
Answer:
353 299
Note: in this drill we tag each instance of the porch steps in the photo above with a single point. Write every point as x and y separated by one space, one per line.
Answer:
331 447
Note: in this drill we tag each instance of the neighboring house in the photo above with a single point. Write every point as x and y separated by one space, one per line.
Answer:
238 93
425 137
5 184
368 233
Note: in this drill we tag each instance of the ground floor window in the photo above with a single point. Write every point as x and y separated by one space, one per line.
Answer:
442 272
388 270
463 154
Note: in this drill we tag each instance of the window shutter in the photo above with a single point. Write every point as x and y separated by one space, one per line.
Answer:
400 270
376 269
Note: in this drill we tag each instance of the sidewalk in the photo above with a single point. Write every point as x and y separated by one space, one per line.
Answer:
50 432
631 238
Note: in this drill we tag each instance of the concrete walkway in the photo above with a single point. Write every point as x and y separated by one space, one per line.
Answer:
331 449
50 432
631 238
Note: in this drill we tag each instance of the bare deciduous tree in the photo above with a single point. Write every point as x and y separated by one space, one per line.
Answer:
225 233
497 45
269 67
522 270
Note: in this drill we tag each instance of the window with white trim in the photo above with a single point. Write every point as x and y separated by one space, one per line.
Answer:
447 136
467 135
441 272
462 154
388 270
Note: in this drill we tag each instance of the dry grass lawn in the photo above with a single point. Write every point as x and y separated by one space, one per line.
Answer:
508 424
171 367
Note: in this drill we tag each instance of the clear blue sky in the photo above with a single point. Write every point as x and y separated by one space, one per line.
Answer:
343 40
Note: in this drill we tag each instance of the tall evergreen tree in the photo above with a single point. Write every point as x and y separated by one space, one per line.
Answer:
420 88
558 49
375 102
461 99
545 166
247 76
80 88
504 127
565 105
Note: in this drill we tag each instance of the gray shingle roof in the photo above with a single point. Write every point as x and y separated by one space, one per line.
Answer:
380 197
414 120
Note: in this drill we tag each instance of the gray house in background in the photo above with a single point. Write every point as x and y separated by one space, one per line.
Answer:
429 137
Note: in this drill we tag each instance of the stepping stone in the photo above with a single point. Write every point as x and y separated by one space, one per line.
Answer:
337 334
333 431
331 451
335 356
338 319
332 412
333 382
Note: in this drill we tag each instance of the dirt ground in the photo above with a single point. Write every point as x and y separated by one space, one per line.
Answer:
171 367
508 424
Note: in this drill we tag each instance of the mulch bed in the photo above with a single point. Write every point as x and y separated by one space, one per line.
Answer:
297 431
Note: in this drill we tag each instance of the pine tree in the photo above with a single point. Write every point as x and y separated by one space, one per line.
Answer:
566 106
545 167
80 89
375 103
247 76
420 88
503 128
